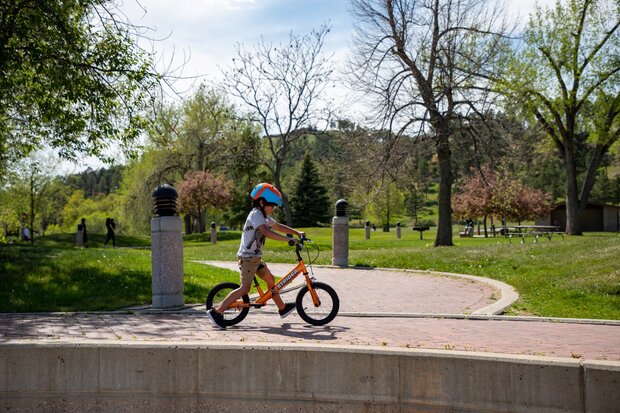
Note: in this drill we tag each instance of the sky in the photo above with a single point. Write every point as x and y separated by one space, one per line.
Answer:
200 35
205 32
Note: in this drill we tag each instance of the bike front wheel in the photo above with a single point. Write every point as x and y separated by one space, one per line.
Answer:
326 311
232 315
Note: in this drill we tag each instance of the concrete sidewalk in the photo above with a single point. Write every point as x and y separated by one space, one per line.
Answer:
378 308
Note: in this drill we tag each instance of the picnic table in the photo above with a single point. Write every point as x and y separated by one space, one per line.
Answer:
421 229
536 231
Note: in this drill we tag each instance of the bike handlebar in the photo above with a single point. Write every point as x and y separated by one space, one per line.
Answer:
300 243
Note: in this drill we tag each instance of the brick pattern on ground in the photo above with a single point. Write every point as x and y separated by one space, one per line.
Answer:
588 341
370 292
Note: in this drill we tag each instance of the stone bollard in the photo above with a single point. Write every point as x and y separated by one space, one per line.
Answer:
367 229
340 228
166 250
398 230
213 233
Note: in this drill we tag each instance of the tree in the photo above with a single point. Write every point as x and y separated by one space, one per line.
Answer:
202 133
31 180
99 181
94 209
207 119
427 62
140 178
566 77
387 201
283 86
202 189
475 196
487 193
414 202
241 155
309 202
71 77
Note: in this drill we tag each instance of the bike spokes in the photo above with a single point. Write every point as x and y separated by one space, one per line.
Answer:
232 315
318 312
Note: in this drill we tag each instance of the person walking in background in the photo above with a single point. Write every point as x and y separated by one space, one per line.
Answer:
110 226
84 234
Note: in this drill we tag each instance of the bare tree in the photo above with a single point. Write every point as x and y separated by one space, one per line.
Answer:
425 63
283 86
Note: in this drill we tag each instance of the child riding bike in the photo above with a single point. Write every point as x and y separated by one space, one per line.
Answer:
258 225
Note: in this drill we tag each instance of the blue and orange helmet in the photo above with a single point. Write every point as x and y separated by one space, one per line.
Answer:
268 192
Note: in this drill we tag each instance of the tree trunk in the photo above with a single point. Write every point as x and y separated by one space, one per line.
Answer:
444 224
202 225
387 227
188 223
32 211
573 215
288 215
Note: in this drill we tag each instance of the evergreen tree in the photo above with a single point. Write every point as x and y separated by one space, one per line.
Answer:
309 203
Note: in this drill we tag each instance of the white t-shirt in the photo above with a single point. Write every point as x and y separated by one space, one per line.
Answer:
252 240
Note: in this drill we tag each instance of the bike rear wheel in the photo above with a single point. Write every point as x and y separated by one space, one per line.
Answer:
218 293
322 314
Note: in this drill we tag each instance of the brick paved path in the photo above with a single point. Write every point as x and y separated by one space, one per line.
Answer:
589 341
394 292
379 308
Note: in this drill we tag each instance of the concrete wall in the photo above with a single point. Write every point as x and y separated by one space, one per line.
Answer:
124 376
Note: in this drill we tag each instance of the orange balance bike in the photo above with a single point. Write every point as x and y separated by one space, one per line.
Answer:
317 303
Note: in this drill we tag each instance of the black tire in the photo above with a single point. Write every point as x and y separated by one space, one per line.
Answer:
325 312
217 294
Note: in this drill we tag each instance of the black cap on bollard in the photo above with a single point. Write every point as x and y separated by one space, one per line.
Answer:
165 200
212 225
342 208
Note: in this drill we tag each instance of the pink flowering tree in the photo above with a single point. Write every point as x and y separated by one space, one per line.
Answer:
200 190
474 197
488 193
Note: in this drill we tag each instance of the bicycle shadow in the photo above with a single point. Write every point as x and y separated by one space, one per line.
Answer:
301 331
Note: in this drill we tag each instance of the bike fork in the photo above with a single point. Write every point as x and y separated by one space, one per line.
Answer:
313 294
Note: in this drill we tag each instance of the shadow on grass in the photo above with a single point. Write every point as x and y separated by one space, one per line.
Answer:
206 236
42 279
49 279
65 240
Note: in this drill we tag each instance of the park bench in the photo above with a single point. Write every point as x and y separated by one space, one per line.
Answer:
535 231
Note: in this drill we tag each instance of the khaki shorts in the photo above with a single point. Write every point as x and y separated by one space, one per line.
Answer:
248 266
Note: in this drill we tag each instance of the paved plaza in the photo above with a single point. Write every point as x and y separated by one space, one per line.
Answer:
388 308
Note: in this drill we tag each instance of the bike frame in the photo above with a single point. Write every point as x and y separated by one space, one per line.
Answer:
264 296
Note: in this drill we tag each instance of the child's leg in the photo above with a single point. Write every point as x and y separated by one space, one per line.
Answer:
232 297
247 269
266 275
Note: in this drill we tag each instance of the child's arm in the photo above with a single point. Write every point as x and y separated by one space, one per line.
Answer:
287 230
270 233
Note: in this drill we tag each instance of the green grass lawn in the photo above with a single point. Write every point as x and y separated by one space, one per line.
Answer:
570 277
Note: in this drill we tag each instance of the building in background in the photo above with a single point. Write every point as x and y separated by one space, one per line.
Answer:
597 217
